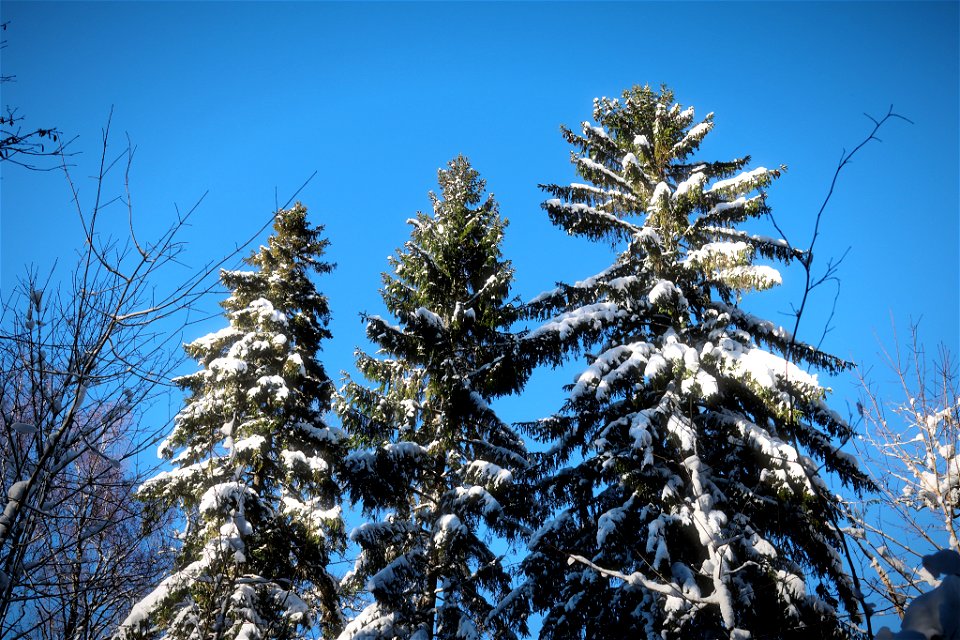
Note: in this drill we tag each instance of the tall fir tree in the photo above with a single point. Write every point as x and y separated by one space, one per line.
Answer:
253 461
434 465
687 468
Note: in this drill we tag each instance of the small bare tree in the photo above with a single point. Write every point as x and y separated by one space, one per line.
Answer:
82 363
909 445
90 556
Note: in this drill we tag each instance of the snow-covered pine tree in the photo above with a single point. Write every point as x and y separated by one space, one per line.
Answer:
253 461
688 463
434 466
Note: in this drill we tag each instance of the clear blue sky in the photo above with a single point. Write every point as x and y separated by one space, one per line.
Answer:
247 99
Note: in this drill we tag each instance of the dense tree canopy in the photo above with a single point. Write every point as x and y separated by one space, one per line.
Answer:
435 466
254 461
687 467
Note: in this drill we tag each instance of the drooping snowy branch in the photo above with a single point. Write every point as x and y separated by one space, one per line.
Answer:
690 436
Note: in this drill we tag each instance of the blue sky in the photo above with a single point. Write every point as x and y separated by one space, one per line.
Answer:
246 100
243 101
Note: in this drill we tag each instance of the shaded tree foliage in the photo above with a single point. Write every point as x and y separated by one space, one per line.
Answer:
434 466
686 469
254 461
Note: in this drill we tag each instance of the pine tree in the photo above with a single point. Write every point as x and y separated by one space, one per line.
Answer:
254 461
434 465
687 469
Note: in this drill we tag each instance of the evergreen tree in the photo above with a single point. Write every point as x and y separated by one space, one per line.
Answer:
686 474
254 461
434 465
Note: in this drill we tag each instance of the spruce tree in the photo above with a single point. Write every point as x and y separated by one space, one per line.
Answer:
687 468
434 466
253 461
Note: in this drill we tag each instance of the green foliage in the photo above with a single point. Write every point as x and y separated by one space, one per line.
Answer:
685 469
435 467
254 460
681 490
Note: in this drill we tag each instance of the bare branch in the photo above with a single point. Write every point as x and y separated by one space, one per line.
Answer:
910 445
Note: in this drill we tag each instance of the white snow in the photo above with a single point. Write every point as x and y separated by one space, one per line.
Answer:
596 166
581 210
226 365
17 491
593 316
405 450
476 494
623 282
695 181
177 477
488 473
663 289
660 192
143 609
763 367
479 402
722 207
448 526
207 341
695 133
935 614
297 361
371 623
656 543
759 277
251 443
587 283
273 383
758 327
719 252
597 370
785 466
466 629
410 408
543 295
396 570
429 317
706 382
640 432
264 310
220 495
24 428
680 426
293 458
609 521
598 131
606 193
316 516
738 183
757 547
655 365
649 234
